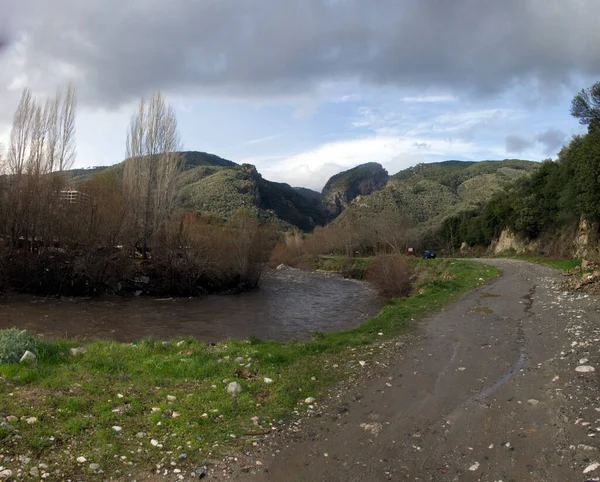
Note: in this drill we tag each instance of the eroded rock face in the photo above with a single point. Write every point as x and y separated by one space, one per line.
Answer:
509 241
346 186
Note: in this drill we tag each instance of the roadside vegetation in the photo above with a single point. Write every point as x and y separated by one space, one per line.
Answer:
126 408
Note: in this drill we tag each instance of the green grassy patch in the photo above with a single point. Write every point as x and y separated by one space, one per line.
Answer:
562 264
128 407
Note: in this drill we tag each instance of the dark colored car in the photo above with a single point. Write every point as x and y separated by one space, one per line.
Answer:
428 255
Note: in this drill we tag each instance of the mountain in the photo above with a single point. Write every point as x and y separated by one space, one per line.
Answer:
346 186
429 193
308 193
221 191
209 184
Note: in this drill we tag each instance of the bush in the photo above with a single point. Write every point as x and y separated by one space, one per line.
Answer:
15 342
391 274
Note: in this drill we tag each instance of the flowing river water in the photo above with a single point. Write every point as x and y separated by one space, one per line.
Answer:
290 304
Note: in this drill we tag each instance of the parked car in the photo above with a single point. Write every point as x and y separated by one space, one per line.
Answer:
428 255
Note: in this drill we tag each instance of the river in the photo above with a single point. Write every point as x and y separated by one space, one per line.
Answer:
290 304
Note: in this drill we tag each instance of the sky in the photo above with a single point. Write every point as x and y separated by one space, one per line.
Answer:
303 89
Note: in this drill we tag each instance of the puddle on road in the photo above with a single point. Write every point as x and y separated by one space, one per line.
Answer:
489 295
482 309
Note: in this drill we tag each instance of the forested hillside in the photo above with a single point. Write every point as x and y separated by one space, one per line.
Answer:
553 200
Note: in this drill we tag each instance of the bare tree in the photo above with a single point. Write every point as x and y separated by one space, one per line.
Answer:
66 127
151 169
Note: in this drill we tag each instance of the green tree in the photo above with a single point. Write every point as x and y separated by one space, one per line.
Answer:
585 106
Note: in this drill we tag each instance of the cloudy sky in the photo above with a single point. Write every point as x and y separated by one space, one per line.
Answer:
306 88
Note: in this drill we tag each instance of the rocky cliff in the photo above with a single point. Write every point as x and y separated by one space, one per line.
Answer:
346 186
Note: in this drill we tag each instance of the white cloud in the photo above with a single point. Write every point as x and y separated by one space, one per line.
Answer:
430 98
262 140
313 168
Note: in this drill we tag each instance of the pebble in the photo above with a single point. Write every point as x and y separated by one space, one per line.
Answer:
5 474
28 357
31 420
78 351
585 369
94 467
533 401
171 398
268 380
591 468
474 467
234 388
81 460
140 435
309 400
11 419
116 428
154 442
362 363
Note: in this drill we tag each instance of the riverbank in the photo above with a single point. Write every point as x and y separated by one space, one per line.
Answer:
115 410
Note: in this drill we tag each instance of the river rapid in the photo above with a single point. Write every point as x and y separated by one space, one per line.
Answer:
289 305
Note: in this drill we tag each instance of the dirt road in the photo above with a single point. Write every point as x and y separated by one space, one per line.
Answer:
485 395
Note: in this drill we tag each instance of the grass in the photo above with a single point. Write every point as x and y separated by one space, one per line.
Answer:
79 400
562 264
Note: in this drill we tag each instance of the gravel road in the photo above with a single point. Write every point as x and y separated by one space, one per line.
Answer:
489 392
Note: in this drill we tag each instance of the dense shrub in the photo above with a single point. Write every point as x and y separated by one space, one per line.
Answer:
15 342
391 274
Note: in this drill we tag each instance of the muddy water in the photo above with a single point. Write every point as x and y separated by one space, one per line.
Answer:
290 304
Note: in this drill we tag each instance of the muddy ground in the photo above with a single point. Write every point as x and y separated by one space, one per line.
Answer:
492 389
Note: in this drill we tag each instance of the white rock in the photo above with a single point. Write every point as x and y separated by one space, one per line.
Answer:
268 380
461 369
81 460
533 401
171 398
309 400
591 468
585 369
583 361
94 467
5 474
474 467
204 415
154 442
116 428
362 363
175 415
28 357
155 409
78 351
31 420
120 395
234 388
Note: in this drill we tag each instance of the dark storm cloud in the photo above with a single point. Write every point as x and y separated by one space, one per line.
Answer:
121 49
552 140
517 144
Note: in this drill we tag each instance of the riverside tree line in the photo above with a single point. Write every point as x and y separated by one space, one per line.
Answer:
121 231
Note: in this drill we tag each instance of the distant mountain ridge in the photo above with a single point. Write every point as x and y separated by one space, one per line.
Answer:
429 193
212 185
